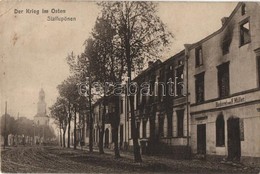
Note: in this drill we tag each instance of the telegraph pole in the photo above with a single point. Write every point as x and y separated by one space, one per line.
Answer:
5 124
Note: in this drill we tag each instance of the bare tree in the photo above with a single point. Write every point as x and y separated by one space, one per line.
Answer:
69 91
140 36
106 65
59 113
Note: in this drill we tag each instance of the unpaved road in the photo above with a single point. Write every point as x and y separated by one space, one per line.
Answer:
60 160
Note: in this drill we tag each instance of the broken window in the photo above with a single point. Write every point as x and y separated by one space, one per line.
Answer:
220 131
199 85
243 9
226 45
179 81
223 80
198 55
245 33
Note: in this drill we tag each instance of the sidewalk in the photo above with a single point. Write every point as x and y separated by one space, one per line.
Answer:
209 165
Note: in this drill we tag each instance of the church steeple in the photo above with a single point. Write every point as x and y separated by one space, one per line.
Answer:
41 110
41 95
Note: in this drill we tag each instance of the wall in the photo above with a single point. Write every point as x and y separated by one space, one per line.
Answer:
241 79
251 143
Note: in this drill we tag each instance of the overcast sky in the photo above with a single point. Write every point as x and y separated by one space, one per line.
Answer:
33 50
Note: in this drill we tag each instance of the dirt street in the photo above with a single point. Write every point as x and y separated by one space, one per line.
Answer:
63 160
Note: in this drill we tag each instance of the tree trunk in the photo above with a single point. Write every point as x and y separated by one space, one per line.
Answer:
60 136
83 129
68 145
75 129
90 122
64 132
6 140
102 129
137 155
115 127
153 137
69 119
116 149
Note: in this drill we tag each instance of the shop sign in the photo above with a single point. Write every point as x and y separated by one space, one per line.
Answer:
230 101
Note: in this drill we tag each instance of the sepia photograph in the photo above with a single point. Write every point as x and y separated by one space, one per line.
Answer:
129 86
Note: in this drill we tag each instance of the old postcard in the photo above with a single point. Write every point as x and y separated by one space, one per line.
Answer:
129 86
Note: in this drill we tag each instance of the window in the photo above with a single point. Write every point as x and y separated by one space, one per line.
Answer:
199 87
180 62
198 55
243 9
220 131
226 44
180 115
179 81
160 87
144 128
142 94
122 106
258 67
161 125
244 33
152 85
169 127
138 129
87 130
94 133
223 80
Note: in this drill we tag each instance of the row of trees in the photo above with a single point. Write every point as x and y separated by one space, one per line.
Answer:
125 36
23 126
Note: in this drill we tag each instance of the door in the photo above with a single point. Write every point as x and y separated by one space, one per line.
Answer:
201 139
121 135
106 138
234 146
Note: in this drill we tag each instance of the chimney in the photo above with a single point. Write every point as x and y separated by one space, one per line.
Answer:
224 20
150 63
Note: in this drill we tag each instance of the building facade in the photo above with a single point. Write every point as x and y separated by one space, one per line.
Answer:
215 109
224 87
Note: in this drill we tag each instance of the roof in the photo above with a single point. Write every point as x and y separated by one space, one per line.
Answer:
152 66
219 30
181 53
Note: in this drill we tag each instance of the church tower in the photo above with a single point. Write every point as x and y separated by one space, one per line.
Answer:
41 117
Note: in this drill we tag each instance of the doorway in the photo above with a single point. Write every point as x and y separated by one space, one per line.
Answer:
201 139
234 146
121 135
106 138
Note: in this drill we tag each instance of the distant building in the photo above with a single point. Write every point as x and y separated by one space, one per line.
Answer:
41 118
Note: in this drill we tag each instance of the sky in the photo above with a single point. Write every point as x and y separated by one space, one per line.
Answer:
33 50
